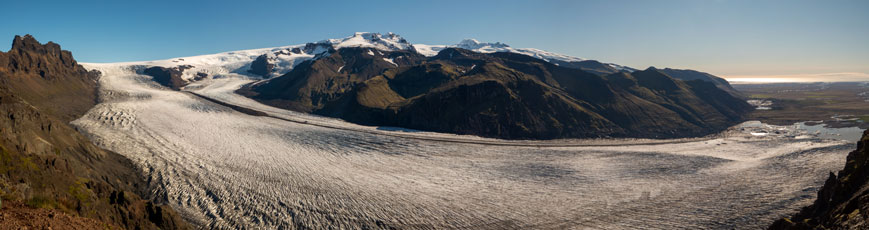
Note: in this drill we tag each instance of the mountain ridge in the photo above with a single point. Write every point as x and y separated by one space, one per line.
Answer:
276 61
497 95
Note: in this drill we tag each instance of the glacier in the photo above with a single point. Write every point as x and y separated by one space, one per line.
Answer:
223 169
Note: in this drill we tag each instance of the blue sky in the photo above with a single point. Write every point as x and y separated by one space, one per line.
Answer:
729 38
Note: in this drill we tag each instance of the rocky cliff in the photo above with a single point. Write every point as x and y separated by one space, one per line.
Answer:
843 202
46 163
261 66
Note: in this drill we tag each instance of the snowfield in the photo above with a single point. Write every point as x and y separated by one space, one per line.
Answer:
222 169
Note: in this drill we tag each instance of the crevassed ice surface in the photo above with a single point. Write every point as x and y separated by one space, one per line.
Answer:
227 170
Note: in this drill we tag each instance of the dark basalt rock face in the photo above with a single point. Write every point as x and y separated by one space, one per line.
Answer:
843 202
261 66
200 76
45 162
47 76
169 77
503 95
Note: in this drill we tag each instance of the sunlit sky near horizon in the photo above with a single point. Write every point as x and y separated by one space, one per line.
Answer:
736 39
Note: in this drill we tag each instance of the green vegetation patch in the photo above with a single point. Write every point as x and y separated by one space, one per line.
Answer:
10 162
80 192
820 96
41 201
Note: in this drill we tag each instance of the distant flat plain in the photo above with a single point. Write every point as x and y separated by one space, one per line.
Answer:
837 104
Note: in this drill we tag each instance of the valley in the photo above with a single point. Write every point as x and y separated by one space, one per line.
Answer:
393 115
277 173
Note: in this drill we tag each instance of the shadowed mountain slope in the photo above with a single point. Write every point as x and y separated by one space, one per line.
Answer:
502 95
688 75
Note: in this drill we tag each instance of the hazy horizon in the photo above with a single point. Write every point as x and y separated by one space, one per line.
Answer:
822 77
731 39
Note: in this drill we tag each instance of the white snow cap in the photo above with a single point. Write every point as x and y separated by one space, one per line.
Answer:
386 42
473 44
285 58
488 47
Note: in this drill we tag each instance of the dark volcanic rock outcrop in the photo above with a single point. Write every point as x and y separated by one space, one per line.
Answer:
261 66
48 77
200 76
503 95
46 163
169 77
843 202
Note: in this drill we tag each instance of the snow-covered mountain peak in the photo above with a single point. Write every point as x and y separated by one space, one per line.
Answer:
277 61
474 44
488 47
387 42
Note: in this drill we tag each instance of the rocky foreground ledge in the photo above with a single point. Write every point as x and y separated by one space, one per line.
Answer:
843 202
52 176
